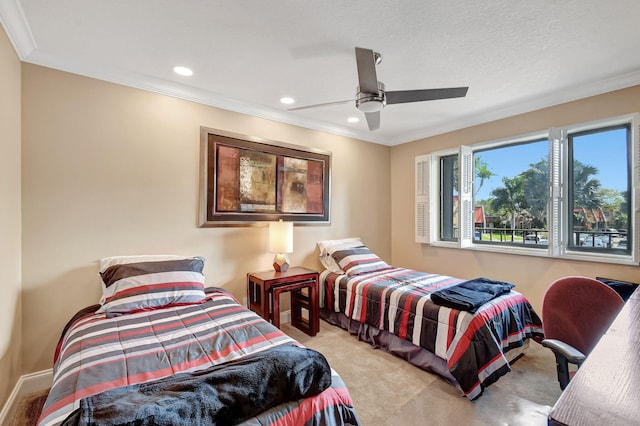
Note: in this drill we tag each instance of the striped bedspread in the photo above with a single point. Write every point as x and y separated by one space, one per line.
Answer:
398 301
99 353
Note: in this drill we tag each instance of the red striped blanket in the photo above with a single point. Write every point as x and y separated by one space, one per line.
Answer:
99 353
398 301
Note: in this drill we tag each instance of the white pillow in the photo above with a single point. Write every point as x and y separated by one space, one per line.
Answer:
327 247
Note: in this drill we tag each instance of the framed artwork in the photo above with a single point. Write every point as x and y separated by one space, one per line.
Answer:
246 180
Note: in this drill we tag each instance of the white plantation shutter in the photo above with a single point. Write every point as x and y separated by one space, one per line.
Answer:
423 214
557 216
635 190
465 191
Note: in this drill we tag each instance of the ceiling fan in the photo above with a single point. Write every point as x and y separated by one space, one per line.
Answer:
371 96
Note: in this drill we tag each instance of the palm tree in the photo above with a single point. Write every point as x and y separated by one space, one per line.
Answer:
536 189
510 198
482 173
586 190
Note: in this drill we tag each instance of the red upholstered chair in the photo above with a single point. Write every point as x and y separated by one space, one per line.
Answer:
576 312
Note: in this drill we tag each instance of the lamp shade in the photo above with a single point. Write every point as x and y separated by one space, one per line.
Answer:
281 237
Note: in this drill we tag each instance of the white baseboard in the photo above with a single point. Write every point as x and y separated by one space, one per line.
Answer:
285 317
27 384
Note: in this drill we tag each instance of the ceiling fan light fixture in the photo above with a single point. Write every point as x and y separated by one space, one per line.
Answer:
371 102
370 105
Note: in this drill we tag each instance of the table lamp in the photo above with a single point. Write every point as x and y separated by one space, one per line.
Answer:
281 243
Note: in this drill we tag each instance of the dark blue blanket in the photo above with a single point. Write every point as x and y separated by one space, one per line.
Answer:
226 394
470 295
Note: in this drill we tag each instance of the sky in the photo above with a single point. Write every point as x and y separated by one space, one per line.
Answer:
606 151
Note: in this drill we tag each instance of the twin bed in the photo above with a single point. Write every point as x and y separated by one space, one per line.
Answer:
159 348
469 337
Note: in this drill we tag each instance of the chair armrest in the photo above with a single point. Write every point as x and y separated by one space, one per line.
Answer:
572 355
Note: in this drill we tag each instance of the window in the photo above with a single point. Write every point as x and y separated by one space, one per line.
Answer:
600 176
566 192
511 193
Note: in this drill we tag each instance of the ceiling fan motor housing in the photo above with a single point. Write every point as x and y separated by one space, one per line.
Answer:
371 102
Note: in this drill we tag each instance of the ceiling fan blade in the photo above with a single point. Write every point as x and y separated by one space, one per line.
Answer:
367 77
373 120
405 96
320 105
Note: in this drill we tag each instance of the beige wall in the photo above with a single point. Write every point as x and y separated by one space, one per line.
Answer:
531 274
10 226
111 170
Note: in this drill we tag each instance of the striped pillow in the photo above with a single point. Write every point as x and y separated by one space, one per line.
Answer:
326 247
359 260
153 284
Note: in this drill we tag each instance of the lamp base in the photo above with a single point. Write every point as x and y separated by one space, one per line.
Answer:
281 262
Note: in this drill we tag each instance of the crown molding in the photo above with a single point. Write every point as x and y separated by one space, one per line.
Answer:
17 28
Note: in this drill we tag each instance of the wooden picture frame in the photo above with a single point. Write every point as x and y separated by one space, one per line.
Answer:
246 180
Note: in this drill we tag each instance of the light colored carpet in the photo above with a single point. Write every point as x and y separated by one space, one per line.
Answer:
387 390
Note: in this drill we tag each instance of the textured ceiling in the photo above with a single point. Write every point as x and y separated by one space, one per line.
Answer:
515 56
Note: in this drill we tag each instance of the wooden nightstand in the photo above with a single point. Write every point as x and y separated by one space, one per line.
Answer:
263 296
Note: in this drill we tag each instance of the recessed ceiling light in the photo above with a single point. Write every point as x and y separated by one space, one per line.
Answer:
183 71
353 119
286 100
